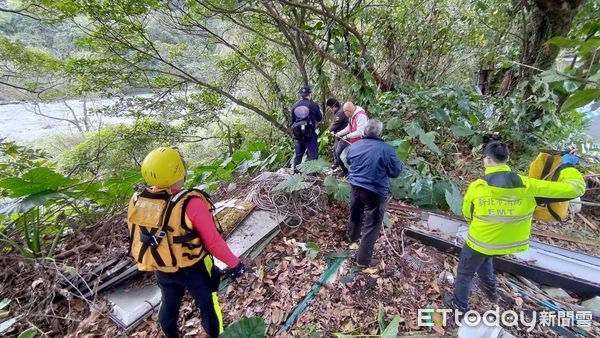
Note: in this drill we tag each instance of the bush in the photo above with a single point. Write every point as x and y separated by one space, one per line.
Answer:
117 148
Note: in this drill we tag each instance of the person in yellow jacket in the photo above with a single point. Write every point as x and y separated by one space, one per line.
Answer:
499 208
172 232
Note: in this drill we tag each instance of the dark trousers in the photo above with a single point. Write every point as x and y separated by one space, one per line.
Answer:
202 285
310 145
472 262
338 148
366 214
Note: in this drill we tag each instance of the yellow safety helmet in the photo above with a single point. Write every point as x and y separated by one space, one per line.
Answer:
163 167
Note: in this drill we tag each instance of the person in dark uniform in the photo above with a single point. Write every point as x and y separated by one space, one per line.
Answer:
338 123
305 116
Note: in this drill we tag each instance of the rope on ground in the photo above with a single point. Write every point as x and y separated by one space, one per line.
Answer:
292 207
402 246
390 244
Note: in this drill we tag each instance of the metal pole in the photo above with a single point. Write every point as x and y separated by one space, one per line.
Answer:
586 203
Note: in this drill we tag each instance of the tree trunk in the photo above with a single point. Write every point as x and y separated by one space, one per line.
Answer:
549 18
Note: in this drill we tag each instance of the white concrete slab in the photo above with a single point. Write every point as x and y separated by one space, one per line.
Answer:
447 225
251 231
130 307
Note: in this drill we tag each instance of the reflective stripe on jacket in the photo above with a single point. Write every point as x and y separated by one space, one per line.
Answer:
499 207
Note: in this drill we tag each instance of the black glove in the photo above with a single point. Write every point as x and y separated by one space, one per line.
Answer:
237 271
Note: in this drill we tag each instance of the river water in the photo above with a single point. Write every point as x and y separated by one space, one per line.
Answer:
20 123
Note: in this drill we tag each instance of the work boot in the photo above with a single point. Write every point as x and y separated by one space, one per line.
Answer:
350 240
490 293
373 263
450 302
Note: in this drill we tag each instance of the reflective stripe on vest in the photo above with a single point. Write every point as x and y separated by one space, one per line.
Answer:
501 219
497 246
577 185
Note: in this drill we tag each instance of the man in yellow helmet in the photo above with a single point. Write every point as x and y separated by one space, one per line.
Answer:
172 232
499 208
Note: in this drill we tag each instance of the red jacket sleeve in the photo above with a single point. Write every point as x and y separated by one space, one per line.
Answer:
197 211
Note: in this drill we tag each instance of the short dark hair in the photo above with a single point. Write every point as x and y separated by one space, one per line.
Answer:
331 102
497 150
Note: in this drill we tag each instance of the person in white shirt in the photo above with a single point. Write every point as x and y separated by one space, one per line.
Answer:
355 129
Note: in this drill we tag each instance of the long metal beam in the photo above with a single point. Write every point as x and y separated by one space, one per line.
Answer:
541 255
576 285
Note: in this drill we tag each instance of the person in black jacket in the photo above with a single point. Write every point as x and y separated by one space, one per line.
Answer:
305 116
338 123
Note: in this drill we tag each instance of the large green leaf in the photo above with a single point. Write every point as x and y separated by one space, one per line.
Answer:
402 148
258 146
339 190
253 327
441 115
580 98
413 129
398 189
563 42
35 181
439 193
294 183
391 331
454 200
423 193
589 46
394 123
241 155
461 131
428 140
314 167
26 203
401 187
29 333
476 140
380 317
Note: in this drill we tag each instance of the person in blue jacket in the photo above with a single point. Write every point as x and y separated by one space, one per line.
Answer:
372 163
305 116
